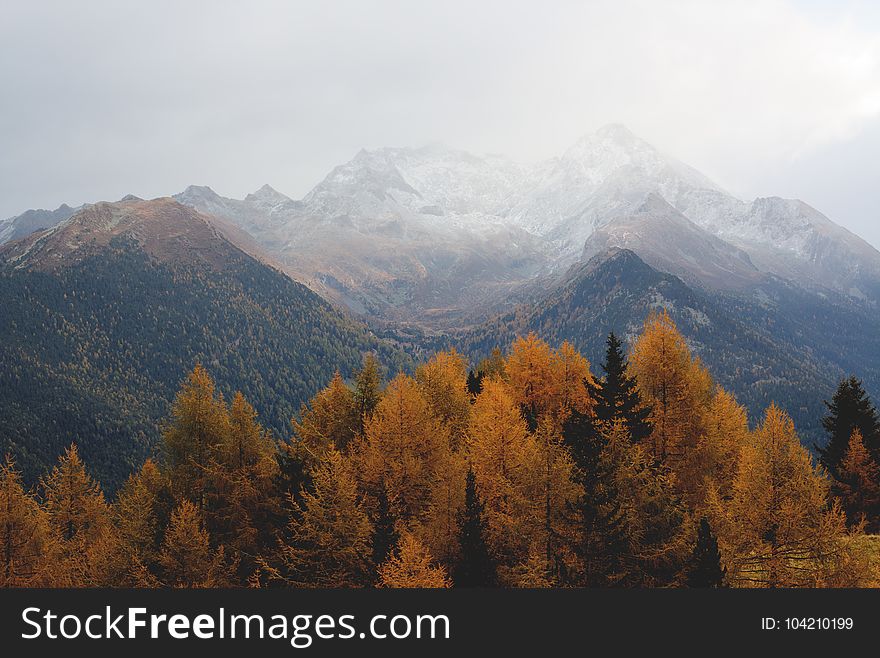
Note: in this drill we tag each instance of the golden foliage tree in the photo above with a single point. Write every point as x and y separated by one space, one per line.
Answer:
726 431
411 565
26 544
403 448
330 419
330 536
777 529
242 501
530 373
443 383
200 423
502 454
186 558
136 513
677 387
79 516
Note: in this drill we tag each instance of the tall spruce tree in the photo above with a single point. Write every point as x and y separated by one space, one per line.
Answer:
476 566
706 569
602 541
616 395
475 382
850 408
367 389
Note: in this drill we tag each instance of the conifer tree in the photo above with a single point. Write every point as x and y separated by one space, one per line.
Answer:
411 565
136 514
403 447
858 484
332 417
502 455
475 383
616 395
200 424
186 558
442 381
476 567
385 533
705 568
330 536
778 529
90 554
677 387
367 390
849 408
26 545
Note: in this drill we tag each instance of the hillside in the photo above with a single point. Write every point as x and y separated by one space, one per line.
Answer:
777 349
105 314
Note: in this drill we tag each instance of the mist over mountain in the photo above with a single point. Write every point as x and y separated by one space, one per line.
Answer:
437 244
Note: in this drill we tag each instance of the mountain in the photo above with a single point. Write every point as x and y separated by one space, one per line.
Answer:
780 343
440 237
32 220
105 313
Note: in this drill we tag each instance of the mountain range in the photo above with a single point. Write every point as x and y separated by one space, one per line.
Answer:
435 246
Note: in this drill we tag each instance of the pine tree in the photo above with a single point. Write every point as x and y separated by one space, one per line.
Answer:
475 383
616 395
858 484
476 567
849 408
705 569
136 513
411 565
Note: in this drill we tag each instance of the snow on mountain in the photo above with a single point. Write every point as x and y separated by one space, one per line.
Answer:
33 220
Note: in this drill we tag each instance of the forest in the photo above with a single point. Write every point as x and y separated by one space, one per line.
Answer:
528 469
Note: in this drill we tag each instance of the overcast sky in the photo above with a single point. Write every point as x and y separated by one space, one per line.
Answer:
102 99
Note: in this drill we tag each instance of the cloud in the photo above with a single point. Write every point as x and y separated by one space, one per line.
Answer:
106 98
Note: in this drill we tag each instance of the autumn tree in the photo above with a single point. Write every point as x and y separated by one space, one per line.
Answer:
502 454
80 518
199 426
677 387
439 529
136 514
330 536
411 565
725 432
858 484
26 543
186 558
705 570
849 408
778 528
556 492
476 567
443 383
403 446
530 372
332 418
242 502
